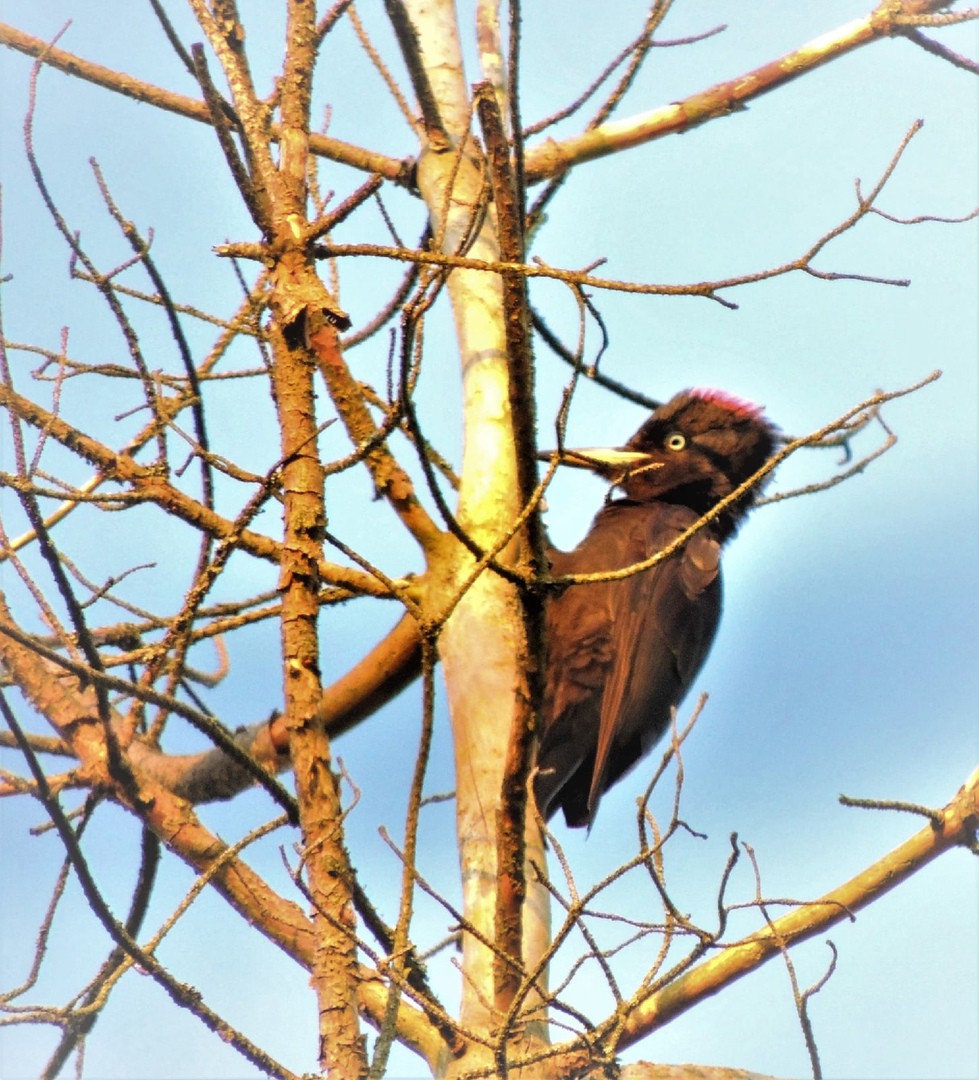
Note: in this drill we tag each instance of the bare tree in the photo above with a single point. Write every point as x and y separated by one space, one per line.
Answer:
208 535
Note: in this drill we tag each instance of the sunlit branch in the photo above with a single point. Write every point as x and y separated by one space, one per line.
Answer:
730 96
959 822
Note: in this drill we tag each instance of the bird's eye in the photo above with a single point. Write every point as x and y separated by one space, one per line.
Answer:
676 441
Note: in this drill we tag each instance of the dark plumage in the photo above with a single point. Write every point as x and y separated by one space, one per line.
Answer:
622 654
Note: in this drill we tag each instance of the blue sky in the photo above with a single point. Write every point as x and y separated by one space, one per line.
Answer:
847 656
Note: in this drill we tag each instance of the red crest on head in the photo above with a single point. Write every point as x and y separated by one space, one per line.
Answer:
738 406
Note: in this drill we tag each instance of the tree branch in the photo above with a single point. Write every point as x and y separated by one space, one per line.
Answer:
394 169
511 821
960 819
393 664
150 485
724 98
707 289
936 48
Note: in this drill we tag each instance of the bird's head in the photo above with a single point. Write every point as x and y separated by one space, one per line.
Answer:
694 449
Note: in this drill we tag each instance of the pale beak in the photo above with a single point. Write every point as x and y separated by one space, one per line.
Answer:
601 459
612 463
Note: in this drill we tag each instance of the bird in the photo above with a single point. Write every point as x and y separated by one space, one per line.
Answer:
622 654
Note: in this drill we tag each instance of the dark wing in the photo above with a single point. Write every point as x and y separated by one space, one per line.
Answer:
665 622
621 654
